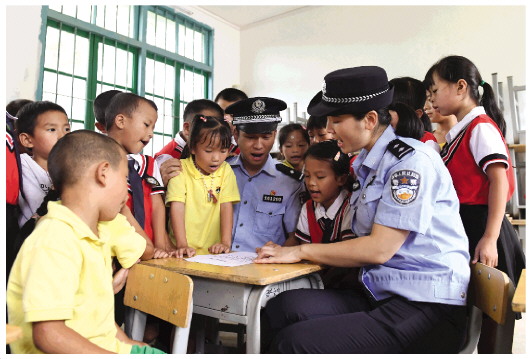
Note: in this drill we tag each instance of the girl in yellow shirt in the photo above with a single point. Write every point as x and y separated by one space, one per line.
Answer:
201 198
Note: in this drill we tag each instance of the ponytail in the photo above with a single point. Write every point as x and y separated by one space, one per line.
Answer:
409 125
490 105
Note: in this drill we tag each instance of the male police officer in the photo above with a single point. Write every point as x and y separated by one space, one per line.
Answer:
270 193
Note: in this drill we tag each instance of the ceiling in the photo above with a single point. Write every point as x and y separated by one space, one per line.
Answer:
245 16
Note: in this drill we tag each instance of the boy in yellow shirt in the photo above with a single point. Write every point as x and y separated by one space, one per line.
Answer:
60 289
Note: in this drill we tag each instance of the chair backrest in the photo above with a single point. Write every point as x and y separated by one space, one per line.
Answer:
163 294
490 292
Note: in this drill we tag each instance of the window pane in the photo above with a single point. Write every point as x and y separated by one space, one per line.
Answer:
84 13
160 31
66 52
81 58
52 48
74 126
191 86
191 44
115 65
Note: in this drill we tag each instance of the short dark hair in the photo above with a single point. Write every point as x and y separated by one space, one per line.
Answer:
14 106
75 152
409 125
124 103
287 129
231 94
214 127
101 102
28 114
316 122
412 92
195 107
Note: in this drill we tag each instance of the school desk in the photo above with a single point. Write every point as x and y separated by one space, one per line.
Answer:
237 294
12 333
519 298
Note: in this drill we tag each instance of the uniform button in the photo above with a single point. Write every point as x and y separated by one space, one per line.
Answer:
355 208
364 196
237 245
245 202
463 294
240 224
250 179
270 213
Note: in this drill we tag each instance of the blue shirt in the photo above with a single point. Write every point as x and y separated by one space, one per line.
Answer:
413 193
269 207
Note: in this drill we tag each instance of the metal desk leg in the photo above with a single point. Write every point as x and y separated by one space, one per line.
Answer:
260 295
135 324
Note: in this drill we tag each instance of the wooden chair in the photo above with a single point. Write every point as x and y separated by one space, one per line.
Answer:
163 294
490 293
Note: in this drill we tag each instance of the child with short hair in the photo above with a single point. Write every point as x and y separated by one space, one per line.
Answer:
39 126
225 98
175 147
294 141
130 120
316 129
101 102
202 196
60 290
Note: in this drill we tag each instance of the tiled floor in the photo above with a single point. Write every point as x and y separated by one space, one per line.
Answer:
519 336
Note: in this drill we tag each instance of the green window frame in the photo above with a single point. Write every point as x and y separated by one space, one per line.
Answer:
152 51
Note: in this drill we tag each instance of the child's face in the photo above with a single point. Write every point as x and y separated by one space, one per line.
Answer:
50 127
394 118
444 96
255 148
321 181
209 155
138 129
294 148
116 191
317 135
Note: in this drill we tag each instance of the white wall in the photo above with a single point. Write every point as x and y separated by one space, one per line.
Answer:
23 51
288 57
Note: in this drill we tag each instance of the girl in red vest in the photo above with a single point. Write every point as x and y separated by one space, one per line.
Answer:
477 158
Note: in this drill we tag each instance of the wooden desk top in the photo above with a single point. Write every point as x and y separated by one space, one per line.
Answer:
12 333
519 298
257 274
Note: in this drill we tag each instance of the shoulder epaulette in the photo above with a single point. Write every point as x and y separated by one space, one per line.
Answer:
399 148
291 172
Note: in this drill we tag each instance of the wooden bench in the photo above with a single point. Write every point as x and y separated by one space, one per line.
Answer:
163 294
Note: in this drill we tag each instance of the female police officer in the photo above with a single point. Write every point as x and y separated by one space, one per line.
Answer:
410 245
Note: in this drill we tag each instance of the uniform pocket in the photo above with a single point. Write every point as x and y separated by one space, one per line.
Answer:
269 217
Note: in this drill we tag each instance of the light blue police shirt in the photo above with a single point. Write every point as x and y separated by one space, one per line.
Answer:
414 193
269 207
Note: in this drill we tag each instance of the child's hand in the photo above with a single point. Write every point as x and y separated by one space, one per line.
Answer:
184 251
219 248
119 279
160 253
486 252
170 169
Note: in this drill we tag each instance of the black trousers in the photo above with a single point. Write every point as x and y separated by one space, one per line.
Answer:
346 321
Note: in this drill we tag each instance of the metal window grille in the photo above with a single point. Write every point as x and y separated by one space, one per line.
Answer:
149 50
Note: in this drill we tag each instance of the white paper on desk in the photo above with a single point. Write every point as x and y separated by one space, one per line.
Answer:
226 259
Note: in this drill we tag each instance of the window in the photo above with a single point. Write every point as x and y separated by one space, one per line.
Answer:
149 50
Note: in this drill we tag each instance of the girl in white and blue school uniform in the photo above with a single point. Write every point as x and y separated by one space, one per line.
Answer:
411 246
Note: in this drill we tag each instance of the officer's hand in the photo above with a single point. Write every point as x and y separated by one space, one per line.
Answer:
269 243
219 248
486 252
169 169
184 251
273 253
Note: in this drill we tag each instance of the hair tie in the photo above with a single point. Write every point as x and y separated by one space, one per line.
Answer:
204 119
481 83
337 156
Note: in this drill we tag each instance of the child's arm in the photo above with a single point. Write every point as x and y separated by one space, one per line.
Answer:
159 224
55 337
122 337
486 250
227 220
176 211
291 240
149 248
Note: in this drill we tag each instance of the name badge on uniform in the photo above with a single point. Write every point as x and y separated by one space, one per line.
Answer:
151 180
273 199
404 186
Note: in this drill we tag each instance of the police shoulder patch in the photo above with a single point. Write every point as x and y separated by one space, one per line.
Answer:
291 172
399 148
404 186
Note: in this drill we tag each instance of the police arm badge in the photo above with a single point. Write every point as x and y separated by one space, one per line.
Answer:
404 186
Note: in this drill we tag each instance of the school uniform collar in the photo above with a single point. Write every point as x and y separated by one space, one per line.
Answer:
371 159
269 167
62 213
198 175
455 130
180 140
333 210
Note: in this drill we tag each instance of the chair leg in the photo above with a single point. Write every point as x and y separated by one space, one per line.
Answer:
496 338
139 319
